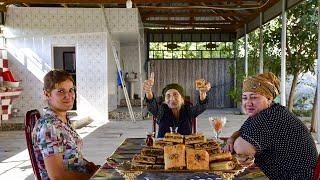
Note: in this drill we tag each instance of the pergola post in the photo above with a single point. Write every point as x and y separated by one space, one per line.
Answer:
261 44
235 56
318 81
235 63
283 54
245 50
140 72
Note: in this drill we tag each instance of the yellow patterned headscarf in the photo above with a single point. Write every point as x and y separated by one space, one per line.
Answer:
266 84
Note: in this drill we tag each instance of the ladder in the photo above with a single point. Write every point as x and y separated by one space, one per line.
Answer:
116 59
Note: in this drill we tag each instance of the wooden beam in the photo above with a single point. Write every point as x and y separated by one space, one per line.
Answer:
3 8
192 19
192 25
106 1
195 14
221 22
213 7
186 29
64 5
150 30
213 11
26 5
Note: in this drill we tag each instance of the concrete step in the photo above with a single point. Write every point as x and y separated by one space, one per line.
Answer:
122 114
125 116
134 102
13 124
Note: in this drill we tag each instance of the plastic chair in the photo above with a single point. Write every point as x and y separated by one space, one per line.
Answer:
316 173
30 120
194 122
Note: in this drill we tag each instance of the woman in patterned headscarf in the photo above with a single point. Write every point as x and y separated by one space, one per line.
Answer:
281 144
57 146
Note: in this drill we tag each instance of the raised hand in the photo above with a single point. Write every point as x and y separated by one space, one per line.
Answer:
147 86
203 87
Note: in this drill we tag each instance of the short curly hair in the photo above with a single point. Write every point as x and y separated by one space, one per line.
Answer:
54 77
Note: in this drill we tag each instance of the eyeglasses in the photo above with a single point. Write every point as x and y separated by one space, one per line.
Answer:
63 92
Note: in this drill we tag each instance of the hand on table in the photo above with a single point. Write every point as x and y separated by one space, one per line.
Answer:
229 146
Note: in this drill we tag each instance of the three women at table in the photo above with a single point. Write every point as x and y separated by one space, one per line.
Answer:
281 144
174 112
56 144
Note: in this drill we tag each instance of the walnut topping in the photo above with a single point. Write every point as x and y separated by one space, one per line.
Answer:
197 157
173 156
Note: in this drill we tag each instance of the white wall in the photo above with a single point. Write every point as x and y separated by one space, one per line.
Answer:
32 32
91 69
30 21
130 61
112 76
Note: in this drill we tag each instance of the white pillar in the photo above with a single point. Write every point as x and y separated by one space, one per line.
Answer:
235 63
283 54
318 82
261 44
140 74
246 50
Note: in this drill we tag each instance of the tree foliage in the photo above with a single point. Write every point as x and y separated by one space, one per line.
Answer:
301 40
301 43
301 46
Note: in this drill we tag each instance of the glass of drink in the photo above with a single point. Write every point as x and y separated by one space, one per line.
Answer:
149 139
217 123
173 129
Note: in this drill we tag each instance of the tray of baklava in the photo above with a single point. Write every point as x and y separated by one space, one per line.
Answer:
189 153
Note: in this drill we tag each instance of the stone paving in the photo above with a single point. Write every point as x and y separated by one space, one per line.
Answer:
100 140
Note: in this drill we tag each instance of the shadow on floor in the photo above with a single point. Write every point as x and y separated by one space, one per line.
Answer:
12 143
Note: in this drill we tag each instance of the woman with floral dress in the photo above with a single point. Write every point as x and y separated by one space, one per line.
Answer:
56 144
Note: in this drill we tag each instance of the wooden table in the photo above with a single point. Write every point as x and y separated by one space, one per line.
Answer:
132 146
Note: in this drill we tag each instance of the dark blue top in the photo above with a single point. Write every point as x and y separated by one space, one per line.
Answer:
166 119
284 146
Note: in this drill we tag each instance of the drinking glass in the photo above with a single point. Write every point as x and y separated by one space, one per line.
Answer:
150 139
173 130
217 123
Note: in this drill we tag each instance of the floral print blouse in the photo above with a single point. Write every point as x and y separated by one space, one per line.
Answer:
52 136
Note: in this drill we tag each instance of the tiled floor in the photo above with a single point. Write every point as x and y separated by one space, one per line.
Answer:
99 141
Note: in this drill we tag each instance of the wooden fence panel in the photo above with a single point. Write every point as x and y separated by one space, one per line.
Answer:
185 72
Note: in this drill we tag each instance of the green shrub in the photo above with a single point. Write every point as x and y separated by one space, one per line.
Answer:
302 113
